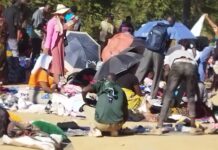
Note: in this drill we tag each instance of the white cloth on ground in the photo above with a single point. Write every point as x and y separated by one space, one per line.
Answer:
26 141
71 104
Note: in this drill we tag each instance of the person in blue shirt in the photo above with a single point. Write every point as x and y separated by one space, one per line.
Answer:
72 18
205 54
155 59
71 13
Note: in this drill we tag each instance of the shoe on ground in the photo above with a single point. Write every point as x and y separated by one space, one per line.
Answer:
6 139
95 132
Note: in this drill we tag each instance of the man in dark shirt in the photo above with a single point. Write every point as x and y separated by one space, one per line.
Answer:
15 17
12 17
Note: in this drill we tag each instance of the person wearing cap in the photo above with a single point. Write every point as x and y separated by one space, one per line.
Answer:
54 41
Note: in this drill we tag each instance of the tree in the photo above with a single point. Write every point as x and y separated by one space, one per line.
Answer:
141 11
186 12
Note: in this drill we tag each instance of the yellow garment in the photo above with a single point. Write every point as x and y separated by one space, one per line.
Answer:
8 53
14 117
134 101
40 76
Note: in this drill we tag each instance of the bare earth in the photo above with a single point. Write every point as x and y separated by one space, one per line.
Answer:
136 142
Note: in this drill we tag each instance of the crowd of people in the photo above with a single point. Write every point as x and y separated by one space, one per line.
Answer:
171 72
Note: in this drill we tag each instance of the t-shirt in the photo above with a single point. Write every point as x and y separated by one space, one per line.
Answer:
206 53
40 76
111 106
68 16
128 81
106 28
176 52
38 17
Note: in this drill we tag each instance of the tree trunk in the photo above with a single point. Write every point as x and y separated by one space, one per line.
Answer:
186 12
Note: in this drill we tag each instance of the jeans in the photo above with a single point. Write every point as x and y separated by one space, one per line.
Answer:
180 71
201 70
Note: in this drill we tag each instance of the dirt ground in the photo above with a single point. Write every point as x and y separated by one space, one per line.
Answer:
135 142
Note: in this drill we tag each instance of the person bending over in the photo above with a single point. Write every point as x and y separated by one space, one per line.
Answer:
111 108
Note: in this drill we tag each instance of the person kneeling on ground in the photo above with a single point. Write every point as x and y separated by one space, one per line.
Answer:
41 82
111 109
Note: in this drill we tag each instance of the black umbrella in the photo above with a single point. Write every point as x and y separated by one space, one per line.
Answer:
81 49
118 64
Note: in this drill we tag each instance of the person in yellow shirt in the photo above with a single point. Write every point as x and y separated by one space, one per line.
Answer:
42 85
41 79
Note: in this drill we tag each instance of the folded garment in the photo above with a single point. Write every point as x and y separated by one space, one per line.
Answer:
67 125
77 132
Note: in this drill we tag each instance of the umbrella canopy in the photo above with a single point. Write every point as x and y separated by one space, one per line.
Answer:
178 31
116 44
118 64
139 45
81 48
146 28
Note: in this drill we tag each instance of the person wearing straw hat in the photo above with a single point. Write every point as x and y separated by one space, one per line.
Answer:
54 41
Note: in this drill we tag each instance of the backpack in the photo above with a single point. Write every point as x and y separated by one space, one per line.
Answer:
157 38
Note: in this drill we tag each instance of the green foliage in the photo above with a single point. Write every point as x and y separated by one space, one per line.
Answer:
4 2
92 12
